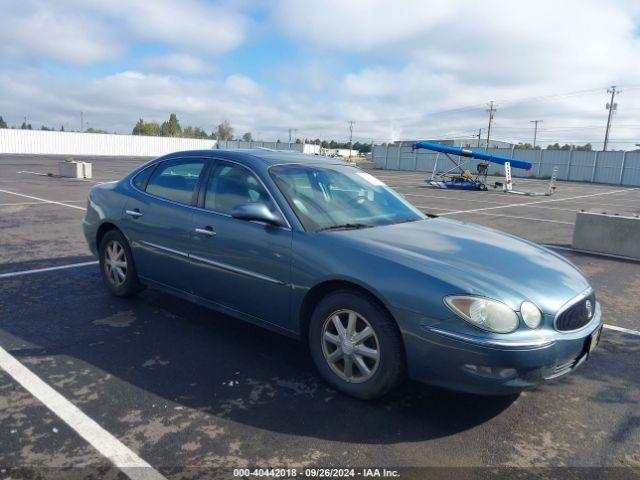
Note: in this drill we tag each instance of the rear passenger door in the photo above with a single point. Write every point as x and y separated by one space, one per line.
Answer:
158 220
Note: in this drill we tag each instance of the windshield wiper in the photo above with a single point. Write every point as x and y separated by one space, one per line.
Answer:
346 226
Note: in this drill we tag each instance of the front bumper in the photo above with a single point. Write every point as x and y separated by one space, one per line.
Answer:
496 366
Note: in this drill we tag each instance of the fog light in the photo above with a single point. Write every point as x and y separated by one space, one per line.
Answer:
507 372
491 372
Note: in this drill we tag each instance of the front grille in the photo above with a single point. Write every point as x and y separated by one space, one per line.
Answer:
577 315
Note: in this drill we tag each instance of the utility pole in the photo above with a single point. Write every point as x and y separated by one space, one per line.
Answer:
479 136
81 122
612 107
492 110
289 135
351 123
535 131
295 134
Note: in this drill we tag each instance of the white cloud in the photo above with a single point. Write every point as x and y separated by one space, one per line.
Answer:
178 62
360 25
192 24
399 71
32 28
423 57
80 32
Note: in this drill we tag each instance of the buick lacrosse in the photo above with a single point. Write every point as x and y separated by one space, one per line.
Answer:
321 250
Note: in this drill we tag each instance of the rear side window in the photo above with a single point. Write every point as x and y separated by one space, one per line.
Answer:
175 180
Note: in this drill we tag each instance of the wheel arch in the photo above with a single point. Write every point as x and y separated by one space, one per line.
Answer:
324 288
105 227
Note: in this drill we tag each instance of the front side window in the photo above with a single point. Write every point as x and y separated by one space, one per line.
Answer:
231 185
175 180
340 196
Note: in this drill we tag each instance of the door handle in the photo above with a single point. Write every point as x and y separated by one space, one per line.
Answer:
135 213
206 231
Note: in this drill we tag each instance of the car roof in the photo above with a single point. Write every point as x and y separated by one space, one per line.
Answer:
264 156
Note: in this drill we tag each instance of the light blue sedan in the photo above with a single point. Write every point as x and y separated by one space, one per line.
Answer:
320 250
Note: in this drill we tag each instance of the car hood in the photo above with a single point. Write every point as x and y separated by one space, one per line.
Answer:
478 260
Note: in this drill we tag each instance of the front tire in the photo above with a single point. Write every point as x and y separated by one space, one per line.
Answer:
355 345
116 265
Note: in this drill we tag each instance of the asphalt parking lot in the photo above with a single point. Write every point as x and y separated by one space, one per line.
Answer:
195 394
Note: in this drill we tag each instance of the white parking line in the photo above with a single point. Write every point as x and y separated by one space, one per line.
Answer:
20 204
610 192
51 175
622 329
105 443
16 204
474 200
48 269
589 252
533 219
43 200
455 199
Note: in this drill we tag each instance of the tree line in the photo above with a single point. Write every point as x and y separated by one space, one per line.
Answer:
224 131
556 146
172 128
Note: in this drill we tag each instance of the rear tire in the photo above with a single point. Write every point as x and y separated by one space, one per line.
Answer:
356 345
116 265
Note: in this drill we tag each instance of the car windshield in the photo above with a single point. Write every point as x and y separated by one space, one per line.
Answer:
336 197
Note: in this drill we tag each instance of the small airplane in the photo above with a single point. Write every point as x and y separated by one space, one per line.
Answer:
459 177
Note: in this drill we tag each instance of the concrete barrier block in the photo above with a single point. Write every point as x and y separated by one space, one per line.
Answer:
73 169
607 232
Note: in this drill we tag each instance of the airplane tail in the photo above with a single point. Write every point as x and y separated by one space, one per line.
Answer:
508 184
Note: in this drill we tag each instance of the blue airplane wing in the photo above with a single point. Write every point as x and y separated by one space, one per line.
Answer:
464 152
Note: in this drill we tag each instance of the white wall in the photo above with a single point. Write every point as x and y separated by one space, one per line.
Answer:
73 143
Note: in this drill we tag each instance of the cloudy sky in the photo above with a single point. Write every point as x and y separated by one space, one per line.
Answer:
401 70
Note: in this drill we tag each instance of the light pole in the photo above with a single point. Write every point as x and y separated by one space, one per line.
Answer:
492 110
351 122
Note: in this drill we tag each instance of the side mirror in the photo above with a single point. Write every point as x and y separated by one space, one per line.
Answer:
256 211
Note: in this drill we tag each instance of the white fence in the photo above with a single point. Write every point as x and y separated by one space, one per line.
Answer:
73 143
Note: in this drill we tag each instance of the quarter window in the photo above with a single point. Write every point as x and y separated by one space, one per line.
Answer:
175 180
141 179
231 185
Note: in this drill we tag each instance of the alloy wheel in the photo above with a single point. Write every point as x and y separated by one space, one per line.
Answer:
350 346
115 263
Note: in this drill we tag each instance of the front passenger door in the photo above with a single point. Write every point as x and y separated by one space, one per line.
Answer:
242 265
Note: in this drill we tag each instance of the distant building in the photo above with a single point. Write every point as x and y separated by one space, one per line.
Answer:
471 142
340 152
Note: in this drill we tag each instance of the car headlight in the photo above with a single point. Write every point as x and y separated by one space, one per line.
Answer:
485 313
531 314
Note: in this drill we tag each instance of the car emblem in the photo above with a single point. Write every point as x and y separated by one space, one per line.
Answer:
589 308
